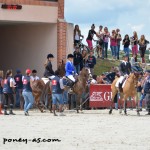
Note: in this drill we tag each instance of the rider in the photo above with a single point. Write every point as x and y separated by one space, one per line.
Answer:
70 69
49 73
125 70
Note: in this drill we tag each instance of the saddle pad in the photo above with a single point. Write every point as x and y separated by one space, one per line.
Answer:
45 80
124 83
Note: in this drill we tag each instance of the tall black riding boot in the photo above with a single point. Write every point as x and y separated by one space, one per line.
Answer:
11 108
5 110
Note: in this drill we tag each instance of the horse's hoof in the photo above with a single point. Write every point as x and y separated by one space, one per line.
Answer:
110 112
120 111
138 114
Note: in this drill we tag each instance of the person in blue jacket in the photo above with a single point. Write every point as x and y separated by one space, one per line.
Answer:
70 69
147 92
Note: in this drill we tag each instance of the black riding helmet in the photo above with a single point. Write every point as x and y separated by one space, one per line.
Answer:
70 56
50 56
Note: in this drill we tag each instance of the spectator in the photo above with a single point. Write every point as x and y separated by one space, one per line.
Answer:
126 43
118 35
106 40
57 94
139 89
77 60
9 84
143 81
147 92
113 44
134 42
91 62
77 35
101 42
27 92
90 37
1 90
94 80
19 87
84 59
34 76
142 47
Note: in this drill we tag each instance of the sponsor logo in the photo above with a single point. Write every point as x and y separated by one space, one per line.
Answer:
25 81
5 81
101 96
54 82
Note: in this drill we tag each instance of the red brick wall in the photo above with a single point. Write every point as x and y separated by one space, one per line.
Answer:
30 2
61 33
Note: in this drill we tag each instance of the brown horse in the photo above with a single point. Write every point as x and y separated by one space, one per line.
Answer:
40 89
129 90
81 86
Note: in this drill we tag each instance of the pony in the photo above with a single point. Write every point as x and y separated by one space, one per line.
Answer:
40 89
81 86
129 90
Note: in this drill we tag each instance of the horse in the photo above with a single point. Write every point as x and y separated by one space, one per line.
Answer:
41 89
129 90
81 86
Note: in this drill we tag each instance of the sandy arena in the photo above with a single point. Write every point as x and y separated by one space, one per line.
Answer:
90 130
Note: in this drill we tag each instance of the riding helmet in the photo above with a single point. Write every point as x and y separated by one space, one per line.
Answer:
50 56
70 56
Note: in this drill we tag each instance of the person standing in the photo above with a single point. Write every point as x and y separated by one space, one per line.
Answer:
1 90
19 87
27 92
57 94
134 44
34 76
77 35
77 60
147 92
91 37
118 35
106 40
142 47
84 59
113 44
48 67
9 84
101 42
126 43
91 62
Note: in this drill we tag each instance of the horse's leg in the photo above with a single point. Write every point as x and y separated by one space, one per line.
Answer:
121 103
37 101
78 102
136 102
125 106
112 101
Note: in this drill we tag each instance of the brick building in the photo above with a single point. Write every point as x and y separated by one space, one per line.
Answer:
29 30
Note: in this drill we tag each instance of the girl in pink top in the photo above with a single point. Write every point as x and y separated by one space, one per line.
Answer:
113 44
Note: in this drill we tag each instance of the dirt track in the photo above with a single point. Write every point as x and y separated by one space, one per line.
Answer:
91 130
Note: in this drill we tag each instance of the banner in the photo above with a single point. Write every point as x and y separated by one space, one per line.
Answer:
100 96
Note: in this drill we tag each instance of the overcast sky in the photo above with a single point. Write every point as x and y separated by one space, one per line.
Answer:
127 15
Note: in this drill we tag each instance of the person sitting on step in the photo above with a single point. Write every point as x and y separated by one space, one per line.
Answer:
125 70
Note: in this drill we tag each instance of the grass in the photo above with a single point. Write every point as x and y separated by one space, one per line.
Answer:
106 64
